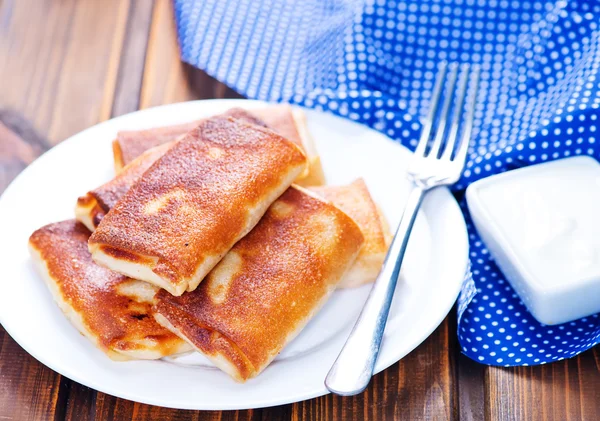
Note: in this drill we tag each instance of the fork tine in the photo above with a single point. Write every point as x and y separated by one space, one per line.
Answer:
435 99
463 147
462 89
441 127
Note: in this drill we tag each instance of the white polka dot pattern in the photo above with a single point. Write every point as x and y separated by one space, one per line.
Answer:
375 61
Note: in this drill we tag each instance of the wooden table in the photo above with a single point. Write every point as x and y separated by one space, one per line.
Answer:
66 65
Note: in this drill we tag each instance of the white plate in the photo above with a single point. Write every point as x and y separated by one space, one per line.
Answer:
46 191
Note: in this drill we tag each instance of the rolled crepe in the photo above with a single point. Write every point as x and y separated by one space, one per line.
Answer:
129 145
267 288
113 311
195 202
287 121
92 207
356 201
291 124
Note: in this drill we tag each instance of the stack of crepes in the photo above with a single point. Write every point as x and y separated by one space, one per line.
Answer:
217 236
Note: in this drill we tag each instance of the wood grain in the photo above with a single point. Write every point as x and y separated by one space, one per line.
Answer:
28 389
165 78
62 59
564 390
471 389
15 153
80 403
133 55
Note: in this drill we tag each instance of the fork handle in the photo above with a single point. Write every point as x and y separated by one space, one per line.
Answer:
353 368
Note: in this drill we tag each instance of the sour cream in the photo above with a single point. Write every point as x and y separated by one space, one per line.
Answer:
542 226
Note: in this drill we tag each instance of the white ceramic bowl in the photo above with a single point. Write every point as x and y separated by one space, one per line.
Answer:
542 226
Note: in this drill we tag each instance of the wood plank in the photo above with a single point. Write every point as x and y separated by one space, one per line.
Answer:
61 59
564 390
110 408
588 376
28 389
80 403
141 412
165 79
15 152
133 56
34 40
206 87
471 388
95 45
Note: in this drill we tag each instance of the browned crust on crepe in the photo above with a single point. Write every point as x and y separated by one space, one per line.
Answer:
129 145
89 212
104 305
291 124
282 119
192 205
118 158
92 207
356 201
314 176
268 286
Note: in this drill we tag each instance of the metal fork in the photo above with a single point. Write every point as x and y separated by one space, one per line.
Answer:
429 168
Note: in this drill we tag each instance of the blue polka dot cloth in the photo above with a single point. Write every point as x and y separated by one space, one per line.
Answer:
375 61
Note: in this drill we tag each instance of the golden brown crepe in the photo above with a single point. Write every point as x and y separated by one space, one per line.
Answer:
92 207
356 201
129 145
113 311
267 288
289 123
195 202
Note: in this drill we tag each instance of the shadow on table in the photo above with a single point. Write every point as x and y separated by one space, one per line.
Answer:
207 87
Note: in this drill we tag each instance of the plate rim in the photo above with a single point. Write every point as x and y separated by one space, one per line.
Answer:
435 195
